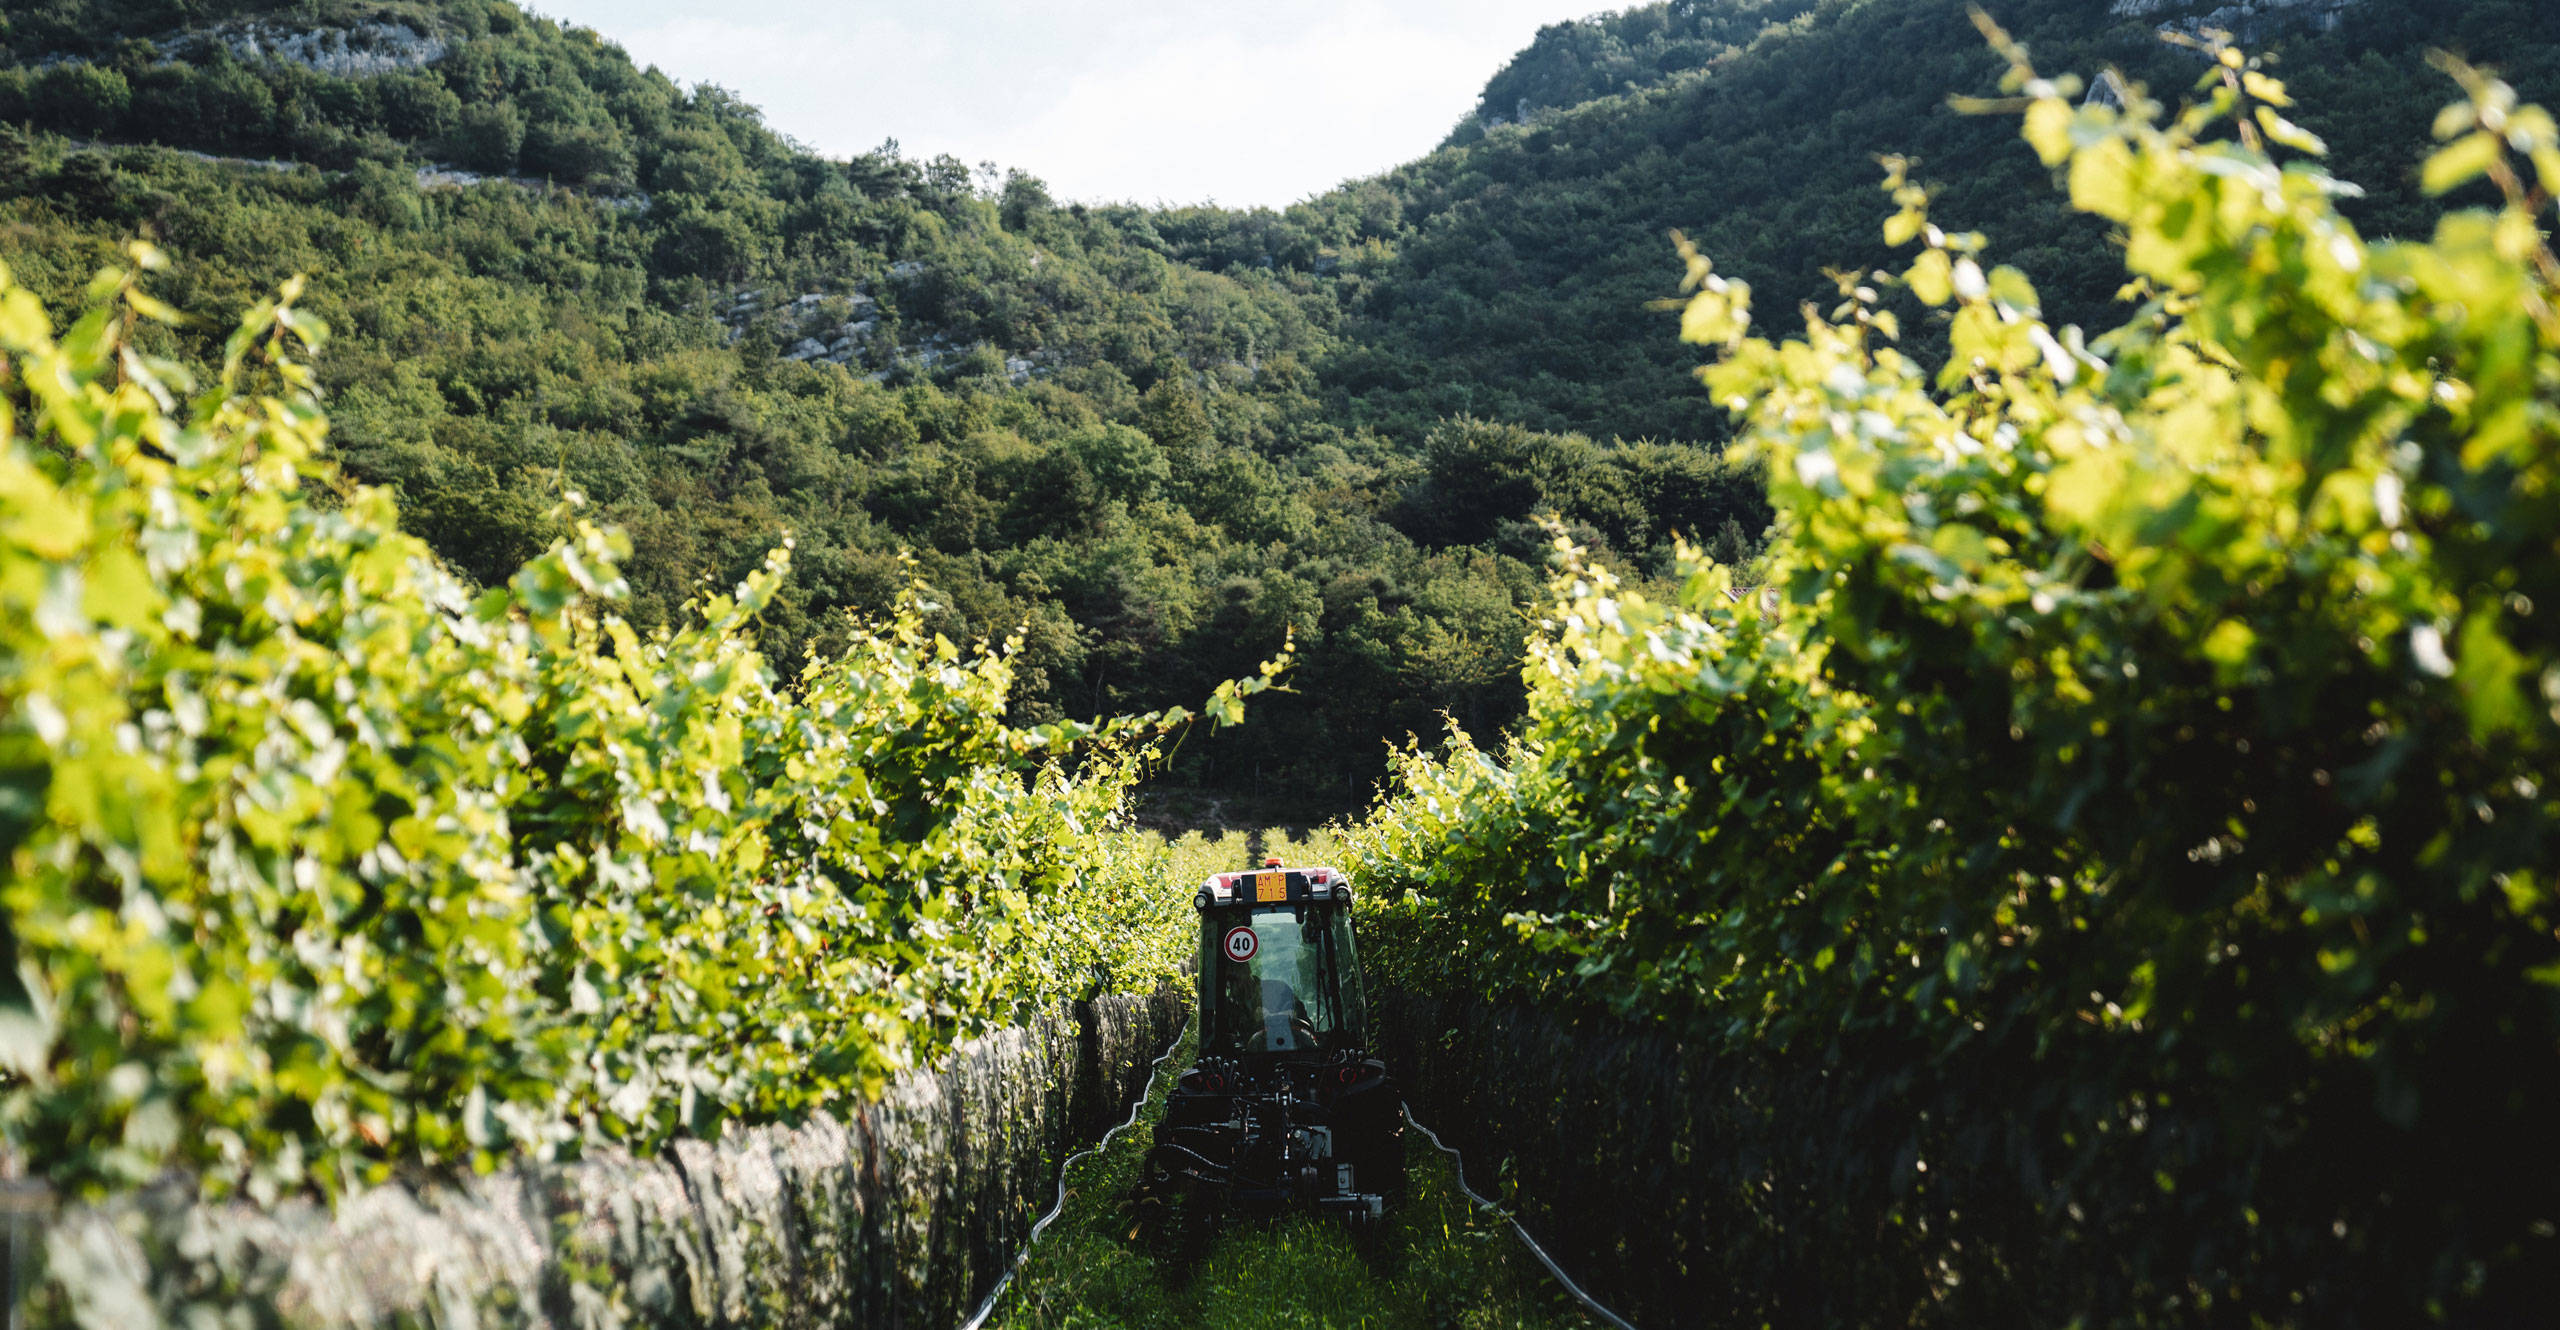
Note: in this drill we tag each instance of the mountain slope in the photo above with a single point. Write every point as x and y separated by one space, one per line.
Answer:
1526 254
552 273
1154 442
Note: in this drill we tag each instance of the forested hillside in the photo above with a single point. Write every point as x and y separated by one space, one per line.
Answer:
1159 441
1530 244
551 272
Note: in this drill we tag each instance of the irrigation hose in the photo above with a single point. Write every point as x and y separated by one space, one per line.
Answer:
1571 1287
988 1307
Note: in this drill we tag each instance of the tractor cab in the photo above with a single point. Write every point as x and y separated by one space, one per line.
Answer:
1285 1105
1279 974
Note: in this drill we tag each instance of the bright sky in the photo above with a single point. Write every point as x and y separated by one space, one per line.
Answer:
1178 101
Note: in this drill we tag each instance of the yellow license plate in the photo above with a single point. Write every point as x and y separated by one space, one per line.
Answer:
1270 887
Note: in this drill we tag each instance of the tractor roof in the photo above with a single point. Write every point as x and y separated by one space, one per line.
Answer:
1274 884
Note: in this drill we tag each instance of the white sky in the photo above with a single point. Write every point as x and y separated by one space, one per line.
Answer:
1177 101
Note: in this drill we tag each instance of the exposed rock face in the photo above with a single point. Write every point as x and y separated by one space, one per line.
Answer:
360 51
2248 21
632 202
902 1215
836 326
845 329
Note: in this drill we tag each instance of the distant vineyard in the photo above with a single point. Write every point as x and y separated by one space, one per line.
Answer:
2113 879
317 866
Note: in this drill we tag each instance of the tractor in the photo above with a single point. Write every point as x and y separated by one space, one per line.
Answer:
1284 1107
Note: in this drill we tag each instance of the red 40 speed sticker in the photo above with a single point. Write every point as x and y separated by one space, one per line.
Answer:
1241 943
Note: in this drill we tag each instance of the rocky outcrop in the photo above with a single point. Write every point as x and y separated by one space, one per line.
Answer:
814 325
440 175
358 51
846 329
902 1213
2248 21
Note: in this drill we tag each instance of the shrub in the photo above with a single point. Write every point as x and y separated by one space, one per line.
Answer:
76 97
487 136
317 864
2132 803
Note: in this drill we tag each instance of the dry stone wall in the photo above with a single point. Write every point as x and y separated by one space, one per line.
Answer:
899 1215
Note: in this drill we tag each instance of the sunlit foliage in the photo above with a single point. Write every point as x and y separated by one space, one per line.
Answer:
2129 786
317 862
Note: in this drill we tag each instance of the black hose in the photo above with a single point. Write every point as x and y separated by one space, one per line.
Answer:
1206 1162
1532 1243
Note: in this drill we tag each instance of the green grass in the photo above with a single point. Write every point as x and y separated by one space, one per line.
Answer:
1438 1263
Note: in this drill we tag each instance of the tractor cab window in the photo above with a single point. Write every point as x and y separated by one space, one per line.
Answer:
1281 997
1346 977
